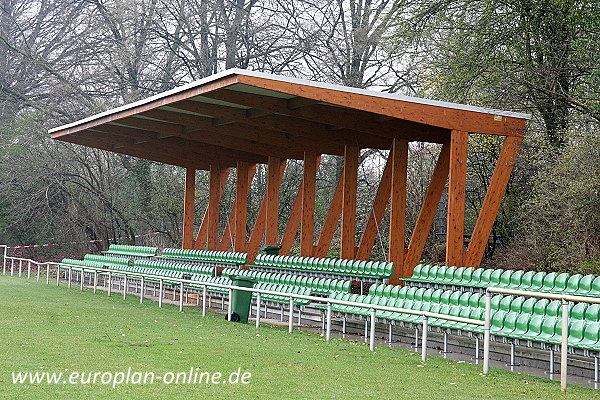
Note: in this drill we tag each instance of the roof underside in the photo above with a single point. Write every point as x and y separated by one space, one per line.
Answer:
246 116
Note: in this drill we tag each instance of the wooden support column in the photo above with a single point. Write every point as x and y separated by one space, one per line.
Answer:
188 208
258 231
214 201
331 221
350 175
202 235
367 240
399 155
428 209
227 242
308 205
291 228
272 215
492 201
455 231
241 206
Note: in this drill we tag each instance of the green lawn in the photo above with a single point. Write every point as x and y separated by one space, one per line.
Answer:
45 328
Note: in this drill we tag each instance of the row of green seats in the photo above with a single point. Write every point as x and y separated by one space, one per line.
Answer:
335 266
222 280
551 282
550 308
108 260
177 266
133 251
210 256
582 334
77 264
542 325
285 289
323 286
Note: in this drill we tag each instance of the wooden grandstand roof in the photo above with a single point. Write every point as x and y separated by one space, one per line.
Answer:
245 116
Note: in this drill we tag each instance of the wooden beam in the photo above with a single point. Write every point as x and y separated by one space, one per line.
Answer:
455 231
291 228
272 216
214 203
241 207
128 111
350 175
367 240
428 114
301 129
147 151
308 205
177 145
189 197
331 220
311 110
428 209
492 201
399 167
202 235
259 226
227 242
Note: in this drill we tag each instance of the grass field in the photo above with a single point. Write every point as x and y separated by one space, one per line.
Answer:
45 328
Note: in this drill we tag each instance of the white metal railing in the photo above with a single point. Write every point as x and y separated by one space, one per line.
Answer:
486 323
564 298
205 285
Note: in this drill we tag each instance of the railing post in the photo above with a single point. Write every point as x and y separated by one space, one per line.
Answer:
12 266
95 280
124 286
372 343
204 301
229 305
180 297
257 310
37 278
47 273
328 325
142 290
28 269
486 332
291 321
5 254
424 338
564 345
160 292
20 267
109 283
70 275
57 275
82 281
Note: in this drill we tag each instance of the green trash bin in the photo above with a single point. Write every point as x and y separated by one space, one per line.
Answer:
271 250
241 299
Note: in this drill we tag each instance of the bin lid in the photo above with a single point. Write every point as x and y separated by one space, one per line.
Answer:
243 278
